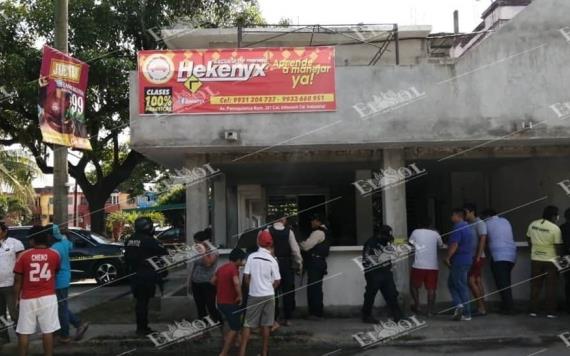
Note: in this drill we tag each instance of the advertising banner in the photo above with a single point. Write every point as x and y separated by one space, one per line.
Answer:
61 107
237 80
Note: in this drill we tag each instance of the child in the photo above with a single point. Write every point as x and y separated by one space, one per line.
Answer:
228 295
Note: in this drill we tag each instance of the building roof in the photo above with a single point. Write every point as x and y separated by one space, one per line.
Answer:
289 36
498 3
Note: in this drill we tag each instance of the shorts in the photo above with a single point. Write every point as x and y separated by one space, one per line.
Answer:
427 277
232 315
476 268
40 311
260 311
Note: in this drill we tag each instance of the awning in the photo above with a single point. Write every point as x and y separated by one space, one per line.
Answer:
181 206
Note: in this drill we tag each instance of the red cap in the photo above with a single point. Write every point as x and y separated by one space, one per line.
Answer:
264 239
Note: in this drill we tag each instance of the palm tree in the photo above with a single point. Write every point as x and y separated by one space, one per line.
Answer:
16 174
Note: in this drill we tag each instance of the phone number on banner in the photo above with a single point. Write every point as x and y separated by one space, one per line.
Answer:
278 99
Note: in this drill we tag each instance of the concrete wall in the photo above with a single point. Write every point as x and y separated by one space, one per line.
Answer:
344 284
511 78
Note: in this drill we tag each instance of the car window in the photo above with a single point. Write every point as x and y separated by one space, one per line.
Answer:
77 239
170 233
20 234
100 239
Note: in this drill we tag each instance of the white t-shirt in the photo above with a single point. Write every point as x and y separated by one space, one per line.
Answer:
264 270
426 243
8 250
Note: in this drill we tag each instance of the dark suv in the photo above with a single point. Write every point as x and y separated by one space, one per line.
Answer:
92 256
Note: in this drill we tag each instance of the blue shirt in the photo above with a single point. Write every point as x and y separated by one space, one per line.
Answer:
500 239
62 246
462 236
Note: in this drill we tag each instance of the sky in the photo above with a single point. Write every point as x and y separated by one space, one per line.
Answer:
437 13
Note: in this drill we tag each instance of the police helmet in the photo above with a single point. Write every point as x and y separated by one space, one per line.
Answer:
144 225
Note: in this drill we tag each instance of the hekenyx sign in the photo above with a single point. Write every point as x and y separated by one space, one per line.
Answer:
234 80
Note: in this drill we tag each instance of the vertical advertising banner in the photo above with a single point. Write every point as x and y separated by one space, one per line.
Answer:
61 106
237 80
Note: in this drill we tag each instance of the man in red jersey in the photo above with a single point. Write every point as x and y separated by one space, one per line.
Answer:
34 287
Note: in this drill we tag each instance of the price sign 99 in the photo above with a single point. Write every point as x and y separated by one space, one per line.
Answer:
76 105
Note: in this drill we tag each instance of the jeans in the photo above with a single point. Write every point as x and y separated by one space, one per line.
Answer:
7 300
285 291
502 273
205 299
315 274
383 281
457 284
543 271
66 317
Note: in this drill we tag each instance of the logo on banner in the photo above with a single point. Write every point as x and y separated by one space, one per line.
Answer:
158 68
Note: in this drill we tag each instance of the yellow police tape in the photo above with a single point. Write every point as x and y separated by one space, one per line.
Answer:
96 257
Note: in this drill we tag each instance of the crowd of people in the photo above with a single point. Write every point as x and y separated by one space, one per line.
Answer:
252 301
34 286
471 243
34 283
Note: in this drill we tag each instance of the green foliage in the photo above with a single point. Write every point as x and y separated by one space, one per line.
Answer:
107 35
127 219
176 195
16 174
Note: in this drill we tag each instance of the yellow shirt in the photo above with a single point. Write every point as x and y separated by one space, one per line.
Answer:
543 235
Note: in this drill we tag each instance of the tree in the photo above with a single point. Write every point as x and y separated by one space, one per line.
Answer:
16 174
106 34
176 195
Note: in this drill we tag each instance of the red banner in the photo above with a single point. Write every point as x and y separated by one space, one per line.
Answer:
61 108
239 80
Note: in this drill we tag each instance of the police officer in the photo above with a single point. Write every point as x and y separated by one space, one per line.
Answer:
317 249
139 247
377 258
288 255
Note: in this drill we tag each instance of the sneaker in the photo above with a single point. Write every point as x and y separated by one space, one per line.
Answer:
465 318
457 314
552 316
81 331
532 315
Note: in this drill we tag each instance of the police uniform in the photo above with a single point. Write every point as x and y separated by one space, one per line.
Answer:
316 266
287 252
377 265
139 247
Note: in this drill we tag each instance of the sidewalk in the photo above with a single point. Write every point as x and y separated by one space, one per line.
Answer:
331 335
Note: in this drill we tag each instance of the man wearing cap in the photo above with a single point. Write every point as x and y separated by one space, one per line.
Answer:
288 255
261 274
317 249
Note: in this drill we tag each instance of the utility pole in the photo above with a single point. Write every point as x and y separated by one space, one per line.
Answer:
60 152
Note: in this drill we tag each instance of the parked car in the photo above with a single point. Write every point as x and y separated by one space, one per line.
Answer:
173 235
92 256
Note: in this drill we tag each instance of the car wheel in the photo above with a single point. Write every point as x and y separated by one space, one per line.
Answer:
106 272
